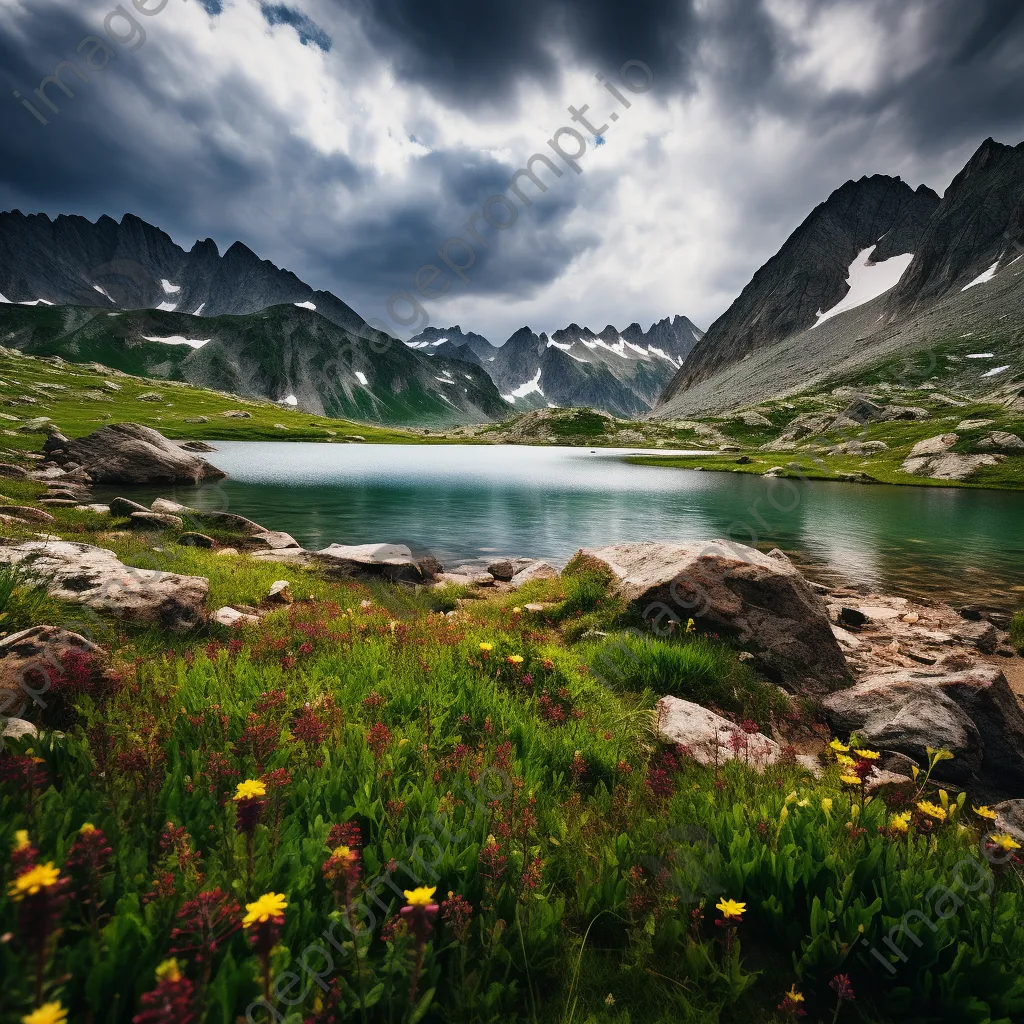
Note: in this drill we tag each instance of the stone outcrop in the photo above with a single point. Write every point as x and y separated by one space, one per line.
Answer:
95 577
712 740
765 602
130 453
973 713
30 663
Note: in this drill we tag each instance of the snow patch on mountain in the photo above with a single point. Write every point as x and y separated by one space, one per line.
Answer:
169 289
177 339
868 280
103 292
167 307
529 388
305 305
361 377
983 278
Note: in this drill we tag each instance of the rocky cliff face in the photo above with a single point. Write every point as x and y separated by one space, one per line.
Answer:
978 227
809 274
962 279
70 261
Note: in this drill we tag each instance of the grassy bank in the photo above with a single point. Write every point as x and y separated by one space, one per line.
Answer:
81 398
576 868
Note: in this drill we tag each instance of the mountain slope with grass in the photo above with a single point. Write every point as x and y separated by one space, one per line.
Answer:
284 353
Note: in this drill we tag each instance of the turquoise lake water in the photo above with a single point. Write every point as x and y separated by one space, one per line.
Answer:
468 502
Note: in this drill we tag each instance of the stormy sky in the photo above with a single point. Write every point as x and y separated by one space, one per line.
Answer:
349 140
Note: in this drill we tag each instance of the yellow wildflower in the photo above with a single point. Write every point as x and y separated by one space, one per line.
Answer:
793 996
850 780
731 909
420 897
826 805
868 755
48 1013
87 829
931 810
250 789
937 755
33 881
985 812
341 851
839 747
900 822
168 971
845 761
517 610
1005 842
21 839
273 904
515 659
487 648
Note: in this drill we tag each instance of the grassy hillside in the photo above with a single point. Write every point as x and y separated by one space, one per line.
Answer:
80 398
945 384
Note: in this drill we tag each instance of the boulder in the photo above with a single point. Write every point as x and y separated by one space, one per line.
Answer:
30 663
154 521
237 414
95 577
275 540
950 466
280 593
1001 441
982 635
196 540
754 419
393 562
131 453
712 740
12 472
15 729
1010 818
29 514
859 448
168 507
763 601
973 713
125 507
933 446
502 571
228 522
232 618
534 571
196 446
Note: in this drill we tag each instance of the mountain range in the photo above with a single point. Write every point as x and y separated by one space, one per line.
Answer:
126 295
621 372
876 271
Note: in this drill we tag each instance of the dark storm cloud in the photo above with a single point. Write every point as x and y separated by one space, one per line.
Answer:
471 52
309 31
228 165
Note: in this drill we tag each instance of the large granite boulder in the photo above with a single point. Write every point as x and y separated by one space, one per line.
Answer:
974 714
711 739
728 587
92 576
130 453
